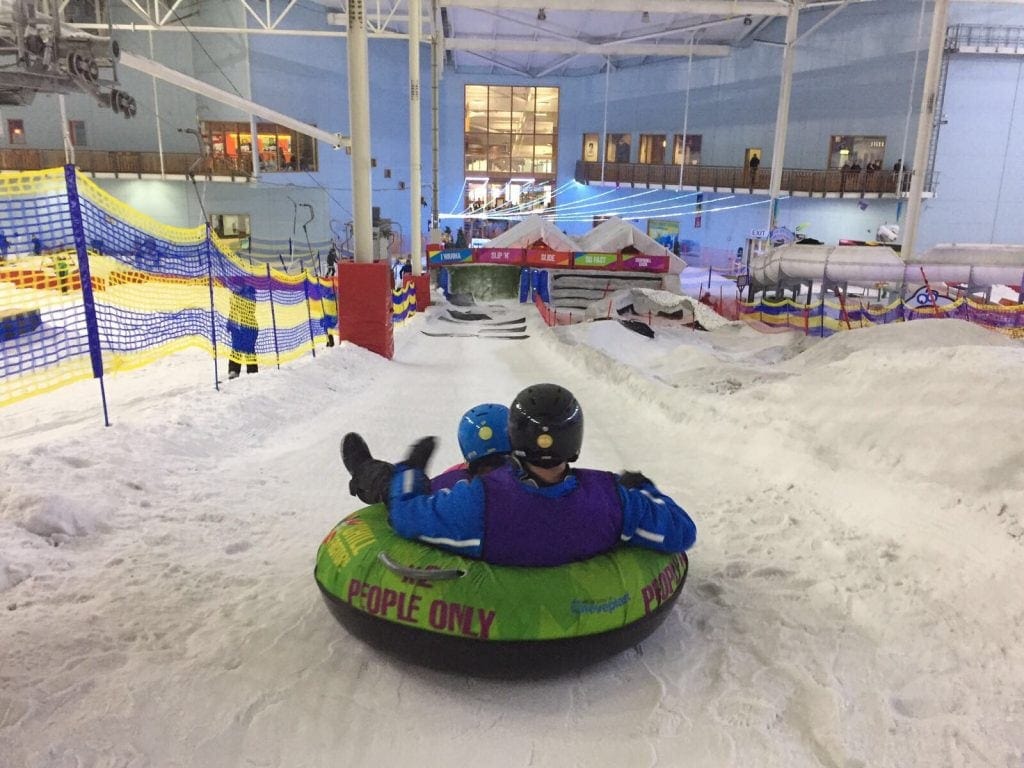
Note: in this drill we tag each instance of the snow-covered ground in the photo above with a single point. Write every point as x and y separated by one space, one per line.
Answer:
853 600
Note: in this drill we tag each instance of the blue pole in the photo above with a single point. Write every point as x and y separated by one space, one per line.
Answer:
273 316
213 309
88 298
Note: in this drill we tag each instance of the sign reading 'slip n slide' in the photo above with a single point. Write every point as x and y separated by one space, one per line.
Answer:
499 255
542 257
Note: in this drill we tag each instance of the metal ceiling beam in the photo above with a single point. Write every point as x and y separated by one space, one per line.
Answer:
474 44
172 76
716 7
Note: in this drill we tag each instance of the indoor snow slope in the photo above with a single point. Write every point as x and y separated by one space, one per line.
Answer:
853 598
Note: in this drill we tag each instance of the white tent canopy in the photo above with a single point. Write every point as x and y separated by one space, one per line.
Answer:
615 234
529 231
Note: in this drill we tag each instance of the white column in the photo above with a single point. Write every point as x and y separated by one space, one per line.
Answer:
436 53
254 147
415 165
359 127
925 121
782 114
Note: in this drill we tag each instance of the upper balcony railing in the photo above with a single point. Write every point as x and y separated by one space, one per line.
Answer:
125 163
795 181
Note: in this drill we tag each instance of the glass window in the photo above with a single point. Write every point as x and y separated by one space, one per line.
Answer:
617 150
856 152
652 148
278 148
15 131
547 110
590 145
692 150
76 128
230 225
510 129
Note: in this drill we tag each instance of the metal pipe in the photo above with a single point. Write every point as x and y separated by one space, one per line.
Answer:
150 67
65 131
156 114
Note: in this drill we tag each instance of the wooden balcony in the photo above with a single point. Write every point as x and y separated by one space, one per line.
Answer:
796 182
138 165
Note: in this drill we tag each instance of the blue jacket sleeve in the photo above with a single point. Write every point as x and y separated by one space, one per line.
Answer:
452 518
653 520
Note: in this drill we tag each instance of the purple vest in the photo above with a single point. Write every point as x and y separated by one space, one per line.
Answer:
523 526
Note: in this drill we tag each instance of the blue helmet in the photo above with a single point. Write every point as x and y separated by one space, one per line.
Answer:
483 430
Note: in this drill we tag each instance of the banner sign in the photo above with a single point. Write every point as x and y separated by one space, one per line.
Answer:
498 255
444 258
640 263
542 257
587 260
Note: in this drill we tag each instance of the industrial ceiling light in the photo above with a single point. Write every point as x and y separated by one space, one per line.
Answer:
541 16
645 17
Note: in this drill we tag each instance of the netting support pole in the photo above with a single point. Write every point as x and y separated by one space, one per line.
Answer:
88 297
273 316
309 309
213 308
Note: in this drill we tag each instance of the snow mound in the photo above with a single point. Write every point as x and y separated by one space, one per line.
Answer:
917 334
11 575
58 517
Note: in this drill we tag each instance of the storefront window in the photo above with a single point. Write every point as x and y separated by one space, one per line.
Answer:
692 150
16 131
617 150
652 148
278 148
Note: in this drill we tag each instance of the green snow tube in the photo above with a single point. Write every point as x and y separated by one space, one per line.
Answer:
431 607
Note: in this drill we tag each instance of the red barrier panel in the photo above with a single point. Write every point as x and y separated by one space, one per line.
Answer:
364 306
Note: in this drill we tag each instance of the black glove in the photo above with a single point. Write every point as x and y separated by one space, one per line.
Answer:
634 480
420 453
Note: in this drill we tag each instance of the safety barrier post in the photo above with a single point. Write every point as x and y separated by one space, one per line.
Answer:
88 298
207 246
273 316
309 310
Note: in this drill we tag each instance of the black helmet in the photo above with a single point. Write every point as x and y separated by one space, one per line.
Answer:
545 425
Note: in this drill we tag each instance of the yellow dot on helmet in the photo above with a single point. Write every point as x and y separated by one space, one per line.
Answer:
545 441
485 433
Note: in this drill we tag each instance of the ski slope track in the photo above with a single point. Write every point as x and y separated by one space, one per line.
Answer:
853 598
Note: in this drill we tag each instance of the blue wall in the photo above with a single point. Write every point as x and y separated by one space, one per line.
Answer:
852 76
